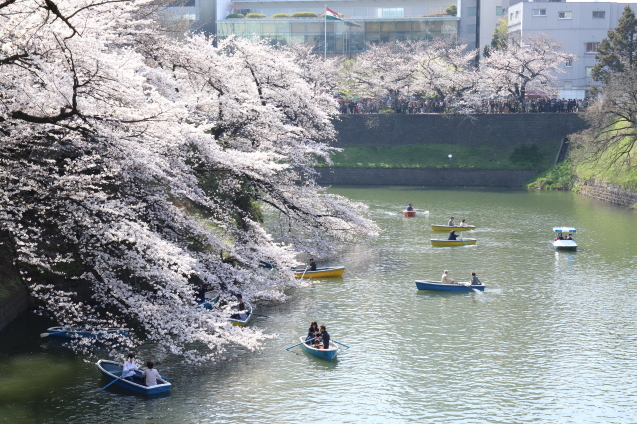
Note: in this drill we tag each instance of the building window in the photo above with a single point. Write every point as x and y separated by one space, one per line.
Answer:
517 13
498 11
592 47
539 12
472 11
511 16
568 85
391 12
599 14
569 63
564 15
589 71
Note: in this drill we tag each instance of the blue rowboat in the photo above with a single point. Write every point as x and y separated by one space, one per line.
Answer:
434 285
208 302
72 333
112 370
328 354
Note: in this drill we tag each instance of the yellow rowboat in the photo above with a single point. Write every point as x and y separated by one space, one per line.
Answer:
448 228
244 318
448 243
320 272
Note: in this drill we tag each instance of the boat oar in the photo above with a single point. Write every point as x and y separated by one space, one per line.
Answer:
304 272
465 243
341 344
298 344
117 379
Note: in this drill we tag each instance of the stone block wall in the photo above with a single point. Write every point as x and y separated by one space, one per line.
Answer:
13 305
399 129
611 194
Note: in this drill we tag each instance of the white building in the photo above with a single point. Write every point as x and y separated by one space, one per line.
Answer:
474 23
580 26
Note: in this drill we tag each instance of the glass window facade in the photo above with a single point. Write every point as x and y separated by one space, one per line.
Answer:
343 37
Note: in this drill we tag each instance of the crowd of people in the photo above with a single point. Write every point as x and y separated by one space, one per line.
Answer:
530 105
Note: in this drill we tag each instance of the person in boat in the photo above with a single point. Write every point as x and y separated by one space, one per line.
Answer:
463 223
151 374
325 337
201 293
312 333
475 281
452 235
451 223
410 207
559 236
570 237
312 265
241 308
446 279
129 368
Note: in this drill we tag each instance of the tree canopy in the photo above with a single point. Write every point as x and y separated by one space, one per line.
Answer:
618 51
136 167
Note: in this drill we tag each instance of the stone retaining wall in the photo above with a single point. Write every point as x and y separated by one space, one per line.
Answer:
13 305
425 177
471 130
610 194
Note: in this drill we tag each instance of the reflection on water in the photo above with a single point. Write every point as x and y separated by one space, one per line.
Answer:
550 340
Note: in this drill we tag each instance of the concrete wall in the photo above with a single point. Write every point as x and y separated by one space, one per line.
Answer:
424 177
13 305
399 129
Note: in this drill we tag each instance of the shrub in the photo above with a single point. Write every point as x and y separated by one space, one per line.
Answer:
527 155
281 16
236 16
255 16
452 10
304 15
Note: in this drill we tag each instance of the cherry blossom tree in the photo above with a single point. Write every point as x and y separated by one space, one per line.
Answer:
445 71
136 167
384 70
530 64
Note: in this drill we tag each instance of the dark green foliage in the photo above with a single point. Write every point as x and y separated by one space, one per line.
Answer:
236 16
452 10
618 51
527 154
560 177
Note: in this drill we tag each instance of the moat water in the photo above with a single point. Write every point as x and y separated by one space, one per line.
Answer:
552 339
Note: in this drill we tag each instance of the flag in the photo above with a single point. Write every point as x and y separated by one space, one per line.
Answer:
330 14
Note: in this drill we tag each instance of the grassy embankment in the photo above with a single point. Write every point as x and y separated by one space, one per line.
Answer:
486 156
580 169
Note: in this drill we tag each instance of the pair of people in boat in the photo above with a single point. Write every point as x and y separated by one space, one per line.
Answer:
446 279
451 223
149 375
561 237
318 336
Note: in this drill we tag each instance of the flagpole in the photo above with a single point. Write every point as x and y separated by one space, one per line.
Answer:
325 42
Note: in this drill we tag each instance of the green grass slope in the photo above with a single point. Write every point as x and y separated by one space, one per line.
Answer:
487 156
